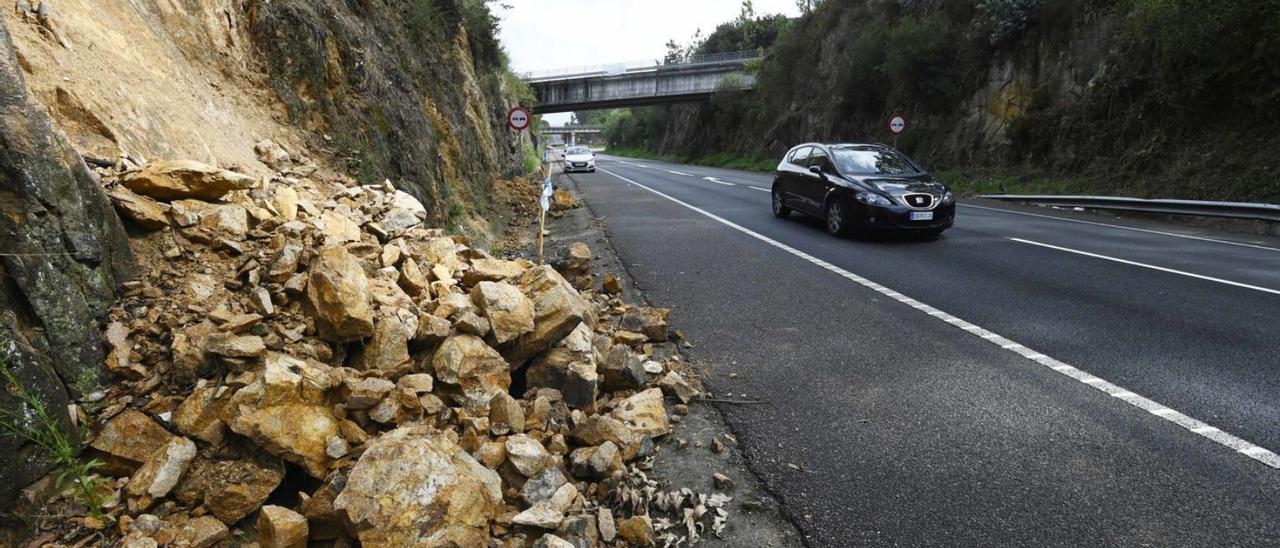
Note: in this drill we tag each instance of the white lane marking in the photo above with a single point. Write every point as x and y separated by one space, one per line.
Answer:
718 182
677 173
757 188
1121 227
1152 267
1239 445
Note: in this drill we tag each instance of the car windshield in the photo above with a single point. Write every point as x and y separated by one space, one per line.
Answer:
872 161
579 150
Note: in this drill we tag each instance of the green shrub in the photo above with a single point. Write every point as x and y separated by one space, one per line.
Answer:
32 422
1007 19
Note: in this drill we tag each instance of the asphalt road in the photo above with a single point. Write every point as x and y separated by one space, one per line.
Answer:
1023 381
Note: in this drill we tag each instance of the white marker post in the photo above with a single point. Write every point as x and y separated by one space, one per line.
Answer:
545 201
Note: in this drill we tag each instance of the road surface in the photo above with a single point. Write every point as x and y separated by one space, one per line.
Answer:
1023 381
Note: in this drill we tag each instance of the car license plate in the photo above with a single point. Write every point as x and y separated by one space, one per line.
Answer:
921 215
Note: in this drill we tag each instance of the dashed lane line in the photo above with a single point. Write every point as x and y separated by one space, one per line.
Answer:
1150 266
1239 445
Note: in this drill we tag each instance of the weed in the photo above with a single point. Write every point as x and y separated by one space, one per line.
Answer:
31 421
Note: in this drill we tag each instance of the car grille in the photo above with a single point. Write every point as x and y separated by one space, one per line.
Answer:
579 164
919 201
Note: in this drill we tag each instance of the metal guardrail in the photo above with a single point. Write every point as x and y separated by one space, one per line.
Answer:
1196 208
641 65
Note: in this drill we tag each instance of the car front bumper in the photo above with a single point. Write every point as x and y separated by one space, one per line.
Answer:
579 166
896 217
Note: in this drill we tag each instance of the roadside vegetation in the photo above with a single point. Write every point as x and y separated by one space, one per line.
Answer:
1162 98
32 421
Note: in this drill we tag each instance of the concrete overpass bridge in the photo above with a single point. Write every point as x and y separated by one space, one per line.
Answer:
640 83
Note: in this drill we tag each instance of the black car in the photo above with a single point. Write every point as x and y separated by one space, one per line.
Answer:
860 187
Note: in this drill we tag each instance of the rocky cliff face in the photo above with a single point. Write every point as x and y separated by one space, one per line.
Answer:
63 253
411 91
414 92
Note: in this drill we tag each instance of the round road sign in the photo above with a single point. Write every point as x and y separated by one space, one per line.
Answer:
518 119
897 124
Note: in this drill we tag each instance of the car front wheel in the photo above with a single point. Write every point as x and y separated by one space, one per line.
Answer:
780 209
837 217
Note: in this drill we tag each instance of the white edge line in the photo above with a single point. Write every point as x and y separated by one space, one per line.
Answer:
1150 266
1239 445
1122 227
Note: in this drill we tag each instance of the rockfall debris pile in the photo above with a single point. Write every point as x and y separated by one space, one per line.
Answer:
307 361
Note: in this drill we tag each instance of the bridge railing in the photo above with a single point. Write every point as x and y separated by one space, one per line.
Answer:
734 57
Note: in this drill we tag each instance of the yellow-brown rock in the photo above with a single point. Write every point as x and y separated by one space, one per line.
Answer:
644 413
473 370
280 527
148 213
415 487
510 313
557 310
338 291
230 489
179 179
287 412
128 440
160 473
491 270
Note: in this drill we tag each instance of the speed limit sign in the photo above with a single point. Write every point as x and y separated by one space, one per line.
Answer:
518 119
897 124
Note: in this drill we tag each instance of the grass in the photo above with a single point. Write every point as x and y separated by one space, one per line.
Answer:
31 421
723 159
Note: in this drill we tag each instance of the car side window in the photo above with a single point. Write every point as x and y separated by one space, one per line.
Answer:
819 158
801 156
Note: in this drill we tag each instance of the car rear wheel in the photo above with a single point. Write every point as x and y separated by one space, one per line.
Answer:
837 217
780 209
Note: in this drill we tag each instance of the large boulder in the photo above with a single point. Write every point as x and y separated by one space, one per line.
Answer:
128 440
510 313
569 367
415 487
230 489
280 527
338 291
160 473
287 411
557 310
182 179
474 371
492 270
388 350
644 413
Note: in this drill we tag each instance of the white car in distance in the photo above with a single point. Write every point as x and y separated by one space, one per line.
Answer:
579 159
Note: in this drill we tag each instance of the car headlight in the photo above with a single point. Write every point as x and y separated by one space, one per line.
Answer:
949 198
873 199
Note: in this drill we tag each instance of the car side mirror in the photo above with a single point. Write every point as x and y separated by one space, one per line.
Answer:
815 170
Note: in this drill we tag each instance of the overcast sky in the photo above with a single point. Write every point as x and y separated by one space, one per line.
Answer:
550 34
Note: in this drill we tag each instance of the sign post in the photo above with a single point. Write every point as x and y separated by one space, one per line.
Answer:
518 119
897 125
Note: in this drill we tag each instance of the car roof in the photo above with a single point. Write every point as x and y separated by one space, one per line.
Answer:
840 145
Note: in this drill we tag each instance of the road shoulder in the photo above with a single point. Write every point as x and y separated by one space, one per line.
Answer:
687 457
